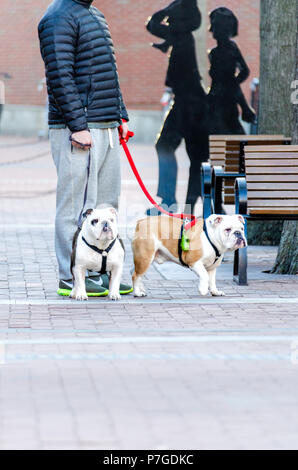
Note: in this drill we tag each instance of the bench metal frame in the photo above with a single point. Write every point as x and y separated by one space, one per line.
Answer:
240 256
212 193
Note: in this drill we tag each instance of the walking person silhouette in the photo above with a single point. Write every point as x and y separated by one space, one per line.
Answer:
186 118
225 94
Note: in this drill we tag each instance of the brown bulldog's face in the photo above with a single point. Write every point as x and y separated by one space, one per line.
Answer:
228 230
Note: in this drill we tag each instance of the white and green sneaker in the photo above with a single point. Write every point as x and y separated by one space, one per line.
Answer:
93 288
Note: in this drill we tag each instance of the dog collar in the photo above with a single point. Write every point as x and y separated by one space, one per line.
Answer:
217 253
104 253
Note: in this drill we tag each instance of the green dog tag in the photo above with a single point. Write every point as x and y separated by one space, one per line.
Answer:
184 242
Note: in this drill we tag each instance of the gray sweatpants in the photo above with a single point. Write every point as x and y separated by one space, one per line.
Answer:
103 187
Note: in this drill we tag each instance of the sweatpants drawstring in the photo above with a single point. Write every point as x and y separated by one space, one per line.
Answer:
111 138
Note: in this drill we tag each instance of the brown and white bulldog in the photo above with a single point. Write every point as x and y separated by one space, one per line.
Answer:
156 239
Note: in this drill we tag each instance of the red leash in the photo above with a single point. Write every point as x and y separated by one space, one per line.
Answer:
130 134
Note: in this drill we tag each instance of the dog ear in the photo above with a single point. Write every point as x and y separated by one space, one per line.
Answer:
241 219
113 210
88 212
215 220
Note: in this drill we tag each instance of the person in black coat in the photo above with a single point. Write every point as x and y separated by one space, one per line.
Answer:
85 106
186 118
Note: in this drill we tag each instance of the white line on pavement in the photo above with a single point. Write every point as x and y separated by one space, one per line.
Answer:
120 330
150 356
134 301
155 339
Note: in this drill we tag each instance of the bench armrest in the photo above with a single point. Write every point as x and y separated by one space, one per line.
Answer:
217 189
206 181
241 196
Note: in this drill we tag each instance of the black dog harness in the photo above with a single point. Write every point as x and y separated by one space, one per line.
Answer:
217 253
180 251
104 253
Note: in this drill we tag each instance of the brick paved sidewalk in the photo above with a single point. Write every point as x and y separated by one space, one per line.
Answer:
174 370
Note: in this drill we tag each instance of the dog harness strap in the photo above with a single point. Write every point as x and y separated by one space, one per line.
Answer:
180 251
86 190
104 253
217 253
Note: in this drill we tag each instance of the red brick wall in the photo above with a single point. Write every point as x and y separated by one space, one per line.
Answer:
19 54
142 69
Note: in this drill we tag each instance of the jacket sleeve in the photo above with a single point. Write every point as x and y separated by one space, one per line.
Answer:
58 37
154 24
180 22
124 114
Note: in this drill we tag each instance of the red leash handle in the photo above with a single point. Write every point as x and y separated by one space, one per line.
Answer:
143 187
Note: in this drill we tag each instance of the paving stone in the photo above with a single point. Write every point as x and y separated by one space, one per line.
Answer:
145 392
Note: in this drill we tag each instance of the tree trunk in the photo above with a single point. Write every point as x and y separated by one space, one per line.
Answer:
278 70
287 257
278 46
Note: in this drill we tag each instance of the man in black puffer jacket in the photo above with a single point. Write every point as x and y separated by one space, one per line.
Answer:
86 104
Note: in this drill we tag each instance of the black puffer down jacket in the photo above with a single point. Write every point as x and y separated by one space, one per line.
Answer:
81 70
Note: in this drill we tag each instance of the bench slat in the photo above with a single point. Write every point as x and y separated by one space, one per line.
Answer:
273 202
276 163
261 186
271 156
272 194
272 211
290 178
270 148
271 170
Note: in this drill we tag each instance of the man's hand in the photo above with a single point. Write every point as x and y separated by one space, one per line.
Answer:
125 130
84 138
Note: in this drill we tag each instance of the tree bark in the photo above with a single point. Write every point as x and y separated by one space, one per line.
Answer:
287 257
278 47
277 115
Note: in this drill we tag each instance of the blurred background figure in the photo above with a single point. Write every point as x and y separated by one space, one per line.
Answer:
186 117
167 100
3 76
226 95
255 96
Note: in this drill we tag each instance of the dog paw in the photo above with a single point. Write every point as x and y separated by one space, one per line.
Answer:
203 290
114 296
78 295
139 293
218 293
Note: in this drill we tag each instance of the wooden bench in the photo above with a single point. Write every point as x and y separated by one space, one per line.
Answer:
226 164
268 192
234 157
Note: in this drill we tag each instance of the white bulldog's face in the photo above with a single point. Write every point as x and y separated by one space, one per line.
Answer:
102 223
228 230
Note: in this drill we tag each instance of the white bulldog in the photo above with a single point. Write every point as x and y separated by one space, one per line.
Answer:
97 246
156 239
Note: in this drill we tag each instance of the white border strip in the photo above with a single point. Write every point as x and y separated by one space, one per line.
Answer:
134 301
156 339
